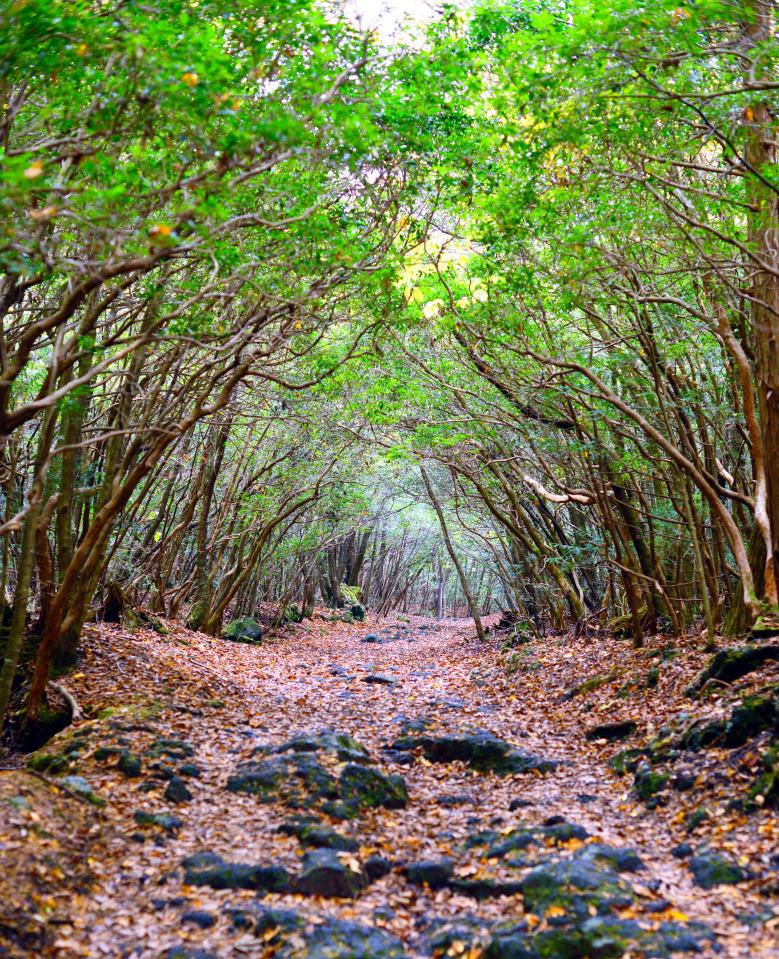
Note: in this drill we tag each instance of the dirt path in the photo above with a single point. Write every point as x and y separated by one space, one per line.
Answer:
215 714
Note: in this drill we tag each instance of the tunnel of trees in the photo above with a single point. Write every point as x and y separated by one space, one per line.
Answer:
481 319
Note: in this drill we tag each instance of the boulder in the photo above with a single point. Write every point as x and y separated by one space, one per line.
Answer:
324 872
368 786
753 715
208 869
176 791
162 820
733 663
245 630
480 750
579 887
358 612
198 917
434 873
613 732
710 869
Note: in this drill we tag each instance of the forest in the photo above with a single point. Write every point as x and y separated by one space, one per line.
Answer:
378 385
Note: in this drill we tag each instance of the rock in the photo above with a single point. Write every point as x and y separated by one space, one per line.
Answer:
619 858
752 715
627 760
371 638
519 804
80 786
482 751
367 786
613 732
682 851
337 939
129 764
434 873
177 791
683 780
199 917
455 799
290 936
523 837
648 784
162 820
326 873
377 680
259 919
765 790
358 612
297 780
701 733
695 817
173 748
577 886
208 869
187 952
485 888
733 663
293 614
245 630
323 837
590 684
343 746
377 867
190 769
711 869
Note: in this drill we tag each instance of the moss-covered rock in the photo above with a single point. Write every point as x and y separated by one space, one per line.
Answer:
577 887
712 869
324 872
208 869
730 664
368 786
245 630
480 750
648 784
751 716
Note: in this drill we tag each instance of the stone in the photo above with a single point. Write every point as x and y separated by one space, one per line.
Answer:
378 680
377 867
434 873
298 780
343 746
577 886
244 630
682 851
338 939
480 750
176 791
188 952
323 837
190 769
455 799
199 918
711 869
358 612
733 663
619 858
162 820
173 748
613 732
129 764
326 873
753 715
648 784
209 869
80 786
368 786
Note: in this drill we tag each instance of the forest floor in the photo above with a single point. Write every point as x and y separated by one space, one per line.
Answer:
93 838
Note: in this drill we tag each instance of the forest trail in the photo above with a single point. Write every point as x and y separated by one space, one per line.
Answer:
426 873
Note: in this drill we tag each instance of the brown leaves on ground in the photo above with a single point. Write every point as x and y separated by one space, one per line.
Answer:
77 880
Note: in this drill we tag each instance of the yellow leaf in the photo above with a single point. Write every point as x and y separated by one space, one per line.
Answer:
191 79
34 170
554 912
